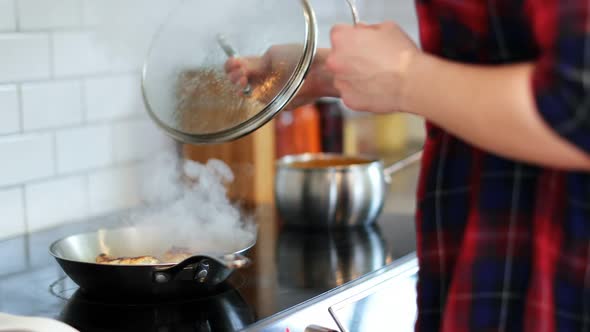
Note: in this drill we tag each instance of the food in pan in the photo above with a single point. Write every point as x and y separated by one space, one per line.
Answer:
176 255
173 255
140 260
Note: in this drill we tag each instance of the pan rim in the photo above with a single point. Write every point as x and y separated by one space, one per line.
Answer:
286 162
160 265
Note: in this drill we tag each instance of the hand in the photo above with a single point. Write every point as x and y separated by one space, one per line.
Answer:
369 64
277 64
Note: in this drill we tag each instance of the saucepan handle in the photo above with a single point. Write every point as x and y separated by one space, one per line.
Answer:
400 165
200 264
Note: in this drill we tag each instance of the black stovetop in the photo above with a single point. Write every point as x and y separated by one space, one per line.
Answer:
290 267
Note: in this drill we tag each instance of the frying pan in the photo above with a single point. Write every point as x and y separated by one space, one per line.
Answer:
195 275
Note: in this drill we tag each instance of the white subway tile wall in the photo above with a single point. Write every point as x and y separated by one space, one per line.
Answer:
9 113
113 189
72 122
113 97
48 14
7 17
24 56
75 54
12 211
64 100
51 104
51 202
84 148
130 141
26 158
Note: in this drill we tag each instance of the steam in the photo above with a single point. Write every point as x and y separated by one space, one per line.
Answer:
124 29
185 203
188 203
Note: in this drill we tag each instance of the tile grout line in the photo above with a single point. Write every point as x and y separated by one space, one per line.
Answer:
82 14
132 118
79 76
111 133
16 16
27 244
82 172
22 188
84 101
21 109
55 155
58 29
51 56
27 227
87 194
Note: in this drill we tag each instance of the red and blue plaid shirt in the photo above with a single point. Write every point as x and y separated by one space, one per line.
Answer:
503 245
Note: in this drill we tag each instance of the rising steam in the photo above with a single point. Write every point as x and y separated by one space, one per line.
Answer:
186 201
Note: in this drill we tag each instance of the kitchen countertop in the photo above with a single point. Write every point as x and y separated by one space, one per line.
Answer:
28 270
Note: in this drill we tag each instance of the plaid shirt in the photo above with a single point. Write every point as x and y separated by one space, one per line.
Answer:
503 245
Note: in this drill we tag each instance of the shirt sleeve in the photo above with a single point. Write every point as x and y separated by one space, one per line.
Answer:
561 78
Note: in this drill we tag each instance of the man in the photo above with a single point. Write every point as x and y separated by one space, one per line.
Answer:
503 218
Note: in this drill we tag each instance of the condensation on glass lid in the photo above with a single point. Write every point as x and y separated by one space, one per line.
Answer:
208 102
186 89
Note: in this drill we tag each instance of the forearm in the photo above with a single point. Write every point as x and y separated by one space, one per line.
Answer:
320 82
490 107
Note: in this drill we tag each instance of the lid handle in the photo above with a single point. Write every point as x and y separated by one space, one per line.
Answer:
354 11
231 53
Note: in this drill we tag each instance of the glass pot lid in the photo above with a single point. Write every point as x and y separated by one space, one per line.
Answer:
185 85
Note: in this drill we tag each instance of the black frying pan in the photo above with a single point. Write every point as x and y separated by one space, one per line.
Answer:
200 273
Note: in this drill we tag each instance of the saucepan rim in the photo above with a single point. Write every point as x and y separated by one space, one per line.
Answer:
286 162
52 251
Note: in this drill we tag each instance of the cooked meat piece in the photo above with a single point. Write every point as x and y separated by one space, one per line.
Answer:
140 260
103 258
176 255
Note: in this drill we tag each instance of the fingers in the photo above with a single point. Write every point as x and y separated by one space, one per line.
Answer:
233 65
350 40
234 68
342 33
237 72
367 26
242 70
256 66
242 82
339 34
236 75
230 64
333 64
348 96
388 25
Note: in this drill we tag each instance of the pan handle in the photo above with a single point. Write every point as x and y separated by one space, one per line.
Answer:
200 264
400 165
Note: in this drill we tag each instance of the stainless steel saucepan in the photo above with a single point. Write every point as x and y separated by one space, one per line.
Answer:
199 273
332 190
